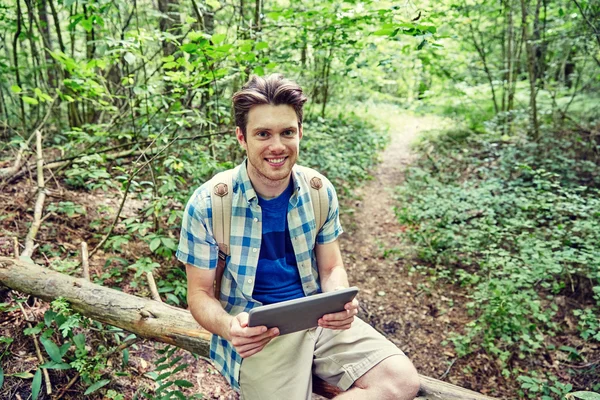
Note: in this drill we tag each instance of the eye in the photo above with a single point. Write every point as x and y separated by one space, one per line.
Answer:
262 134
289 132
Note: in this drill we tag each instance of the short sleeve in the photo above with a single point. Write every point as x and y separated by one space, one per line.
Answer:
197 245
332 228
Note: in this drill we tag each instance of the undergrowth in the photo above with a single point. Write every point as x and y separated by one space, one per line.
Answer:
518 223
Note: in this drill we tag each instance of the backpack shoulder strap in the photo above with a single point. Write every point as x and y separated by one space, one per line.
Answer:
221 186
318 195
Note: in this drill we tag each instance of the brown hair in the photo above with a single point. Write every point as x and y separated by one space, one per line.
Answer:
272 89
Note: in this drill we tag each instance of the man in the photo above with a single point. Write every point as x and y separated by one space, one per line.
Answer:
276 255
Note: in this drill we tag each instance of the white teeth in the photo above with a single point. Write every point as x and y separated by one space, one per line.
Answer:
276 160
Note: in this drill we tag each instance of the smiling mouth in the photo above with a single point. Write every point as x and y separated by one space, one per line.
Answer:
276 161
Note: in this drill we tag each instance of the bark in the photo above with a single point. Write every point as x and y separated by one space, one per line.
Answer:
257 12
16 58
39 202
44 28
61 43
156 321
533 121
167 24
144 317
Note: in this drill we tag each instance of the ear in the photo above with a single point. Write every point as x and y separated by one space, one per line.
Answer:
299 132
240 138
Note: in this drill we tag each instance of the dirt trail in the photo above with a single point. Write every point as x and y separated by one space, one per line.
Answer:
406 305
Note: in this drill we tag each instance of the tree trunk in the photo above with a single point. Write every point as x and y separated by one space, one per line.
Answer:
45 32
16 61
534 129
154 320
166 24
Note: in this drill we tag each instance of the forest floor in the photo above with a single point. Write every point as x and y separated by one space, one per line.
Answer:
401 302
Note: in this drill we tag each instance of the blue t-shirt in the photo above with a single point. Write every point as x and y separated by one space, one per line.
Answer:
277 277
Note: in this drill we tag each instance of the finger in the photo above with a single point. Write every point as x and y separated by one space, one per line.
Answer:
337 328
339 316
353 305
243 319
336 324
242 339
251 349
239 327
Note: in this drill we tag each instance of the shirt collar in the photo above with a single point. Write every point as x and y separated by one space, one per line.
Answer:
246 184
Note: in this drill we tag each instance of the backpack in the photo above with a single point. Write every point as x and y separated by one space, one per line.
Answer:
222 203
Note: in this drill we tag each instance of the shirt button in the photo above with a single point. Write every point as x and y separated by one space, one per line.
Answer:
250 280
254 250
255 219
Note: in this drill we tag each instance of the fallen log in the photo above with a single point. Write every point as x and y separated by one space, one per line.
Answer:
153 320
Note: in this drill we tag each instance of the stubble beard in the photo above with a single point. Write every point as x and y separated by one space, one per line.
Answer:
273 180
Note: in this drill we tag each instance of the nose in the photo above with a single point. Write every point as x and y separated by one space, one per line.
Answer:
276 145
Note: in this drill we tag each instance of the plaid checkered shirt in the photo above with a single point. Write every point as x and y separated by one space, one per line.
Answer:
198 247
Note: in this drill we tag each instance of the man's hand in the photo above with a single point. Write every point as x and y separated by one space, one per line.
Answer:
340 320
249 340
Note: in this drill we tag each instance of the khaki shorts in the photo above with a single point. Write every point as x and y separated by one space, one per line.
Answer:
283 369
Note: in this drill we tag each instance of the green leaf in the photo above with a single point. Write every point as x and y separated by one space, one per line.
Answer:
154 244
129 57
169 243
52 350
16 89
79 340
64 348
32 331
350 60
584 395
218 38
96 386
36 384
87 24
30 100
262 45
422 44
55 365
183 383
1 377
174 299
384 32
273 15
125 357
23 375
189 47
49 317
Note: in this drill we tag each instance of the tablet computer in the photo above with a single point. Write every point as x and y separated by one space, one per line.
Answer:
300 314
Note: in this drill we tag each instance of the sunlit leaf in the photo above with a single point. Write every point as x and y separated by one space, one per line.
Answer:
96 386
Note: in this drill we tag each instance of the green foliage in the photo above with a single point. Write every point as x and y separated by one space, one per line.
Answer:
514 222
168 386
67 208
344 149
583 396
544 389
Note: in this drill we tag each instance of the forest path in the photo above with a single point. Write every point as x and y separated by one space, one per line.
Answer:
406 305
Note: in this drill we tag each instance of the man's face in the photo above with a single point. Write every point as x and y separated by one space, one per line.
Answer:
272 143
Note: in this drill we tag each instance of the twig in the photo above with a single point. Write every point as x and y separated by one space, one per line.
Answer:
16 246
85 261
38 352
8 172
152 286
39 203
127 186
447 370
